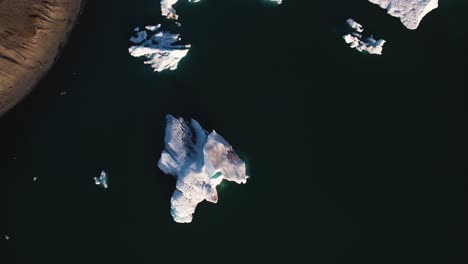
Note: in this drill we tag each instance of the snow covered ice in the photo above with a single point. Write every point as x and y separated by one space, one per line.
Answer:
102 180
158 48
410 12
369 45
200 161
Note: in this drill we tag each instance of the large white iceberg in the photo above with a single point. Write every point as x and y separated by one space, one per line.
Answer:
158 48
199 161
410 12
355 39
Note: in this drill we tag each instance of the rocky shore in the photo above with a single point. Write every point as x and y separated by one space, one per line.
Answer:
32 34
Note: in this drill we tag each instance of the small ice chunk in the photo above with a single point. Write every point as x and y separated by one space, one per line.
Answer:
7 237
153 28
167 8
369 45
355 25
34 179
200 162
102 180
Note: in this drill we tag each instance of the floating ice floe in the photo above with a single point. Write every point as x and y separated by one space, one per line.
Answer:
355 25
158 48
355 39
7 237
410 12
277 1
200 162
102 180
34 179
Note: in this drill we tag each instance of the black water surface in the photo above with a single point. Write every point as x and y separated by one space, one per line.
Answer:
353 158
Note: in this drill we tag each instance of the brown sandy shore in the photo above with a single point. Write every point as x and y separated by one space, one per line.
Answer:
32 33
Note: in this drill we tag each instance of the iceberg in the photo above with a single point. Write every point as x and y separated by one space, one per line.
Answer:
158 48
369 45
200 161
410 12
102 180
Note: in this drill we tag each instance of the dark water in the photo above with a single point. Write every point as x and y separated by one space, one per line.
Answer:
353 158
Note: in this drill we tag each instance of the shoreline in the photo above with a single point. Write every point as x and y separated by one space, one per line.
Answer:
29 53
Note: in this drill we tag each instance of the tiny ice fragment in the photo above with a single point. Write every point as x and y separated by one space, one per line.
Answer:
102 180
